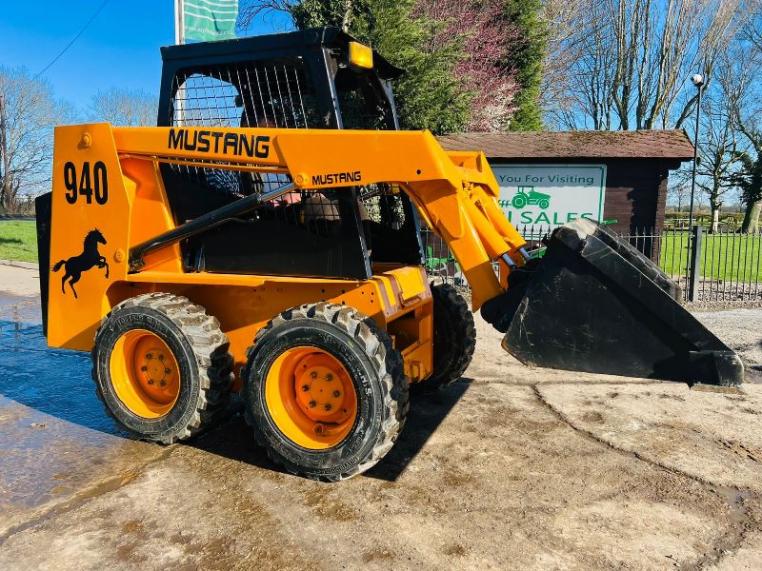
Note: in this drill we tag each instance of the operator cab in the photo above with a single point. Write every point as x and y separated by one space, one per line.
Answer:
316 79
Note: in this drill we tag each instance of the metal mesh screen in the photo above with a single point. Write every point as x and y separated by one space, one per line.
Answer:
382 204
307 232
239 184
252 94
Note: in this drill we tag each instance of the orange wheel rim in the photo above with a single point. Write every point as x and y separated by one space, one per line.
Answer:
311 398
145 374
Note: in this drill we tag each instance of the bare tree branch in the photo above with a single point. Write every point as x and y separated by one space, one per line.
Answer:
124 107
633 58
28 113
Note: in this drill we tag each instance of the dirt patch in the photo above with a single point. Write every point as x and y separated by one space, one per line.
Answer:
689 431
513 468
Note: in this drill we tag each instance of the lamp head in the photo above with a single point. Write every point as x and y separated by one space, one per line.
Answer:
697 79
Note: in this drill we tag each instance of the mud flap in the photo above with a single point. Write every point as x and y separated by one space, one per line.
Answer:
42 208
594 303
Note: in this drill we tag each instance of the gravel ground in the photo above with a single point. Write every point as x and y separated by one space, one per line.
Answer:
509 468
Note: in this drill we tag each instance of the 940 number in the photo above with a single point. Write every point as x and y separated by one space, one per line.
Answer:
91 184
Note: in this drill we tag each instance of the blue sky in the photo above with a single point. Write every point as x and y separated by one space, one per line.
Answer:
120 48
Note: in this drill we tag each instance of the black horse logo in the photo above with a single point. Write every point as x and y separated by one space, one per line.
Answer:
87 259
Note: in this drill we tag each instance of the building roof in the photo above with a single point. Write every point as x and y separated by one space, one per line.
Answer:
672 144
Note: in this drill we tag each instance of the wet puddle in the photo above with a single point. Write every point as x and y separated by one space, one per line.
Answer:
51 381
55 435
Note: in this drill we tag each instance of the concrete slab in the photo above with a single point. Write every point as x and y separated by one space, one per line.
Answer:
56 440
510 468
716 438
501 483
19 281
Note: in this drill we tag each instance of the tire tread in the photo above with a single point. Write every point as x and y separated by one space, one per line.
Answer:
209 345
390 370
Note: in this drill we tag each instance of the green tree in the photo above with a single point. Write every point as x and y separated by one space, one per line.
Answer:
428 95
526 57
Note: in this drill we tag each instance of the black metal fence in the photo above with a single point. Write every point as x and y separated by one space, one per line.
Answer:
708 267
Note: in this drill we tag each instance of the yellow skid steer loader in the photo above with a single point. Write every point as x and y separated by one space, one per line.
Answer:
264 239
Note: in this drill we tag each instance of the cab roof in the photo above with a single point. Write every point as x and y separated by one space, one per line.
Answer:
274 45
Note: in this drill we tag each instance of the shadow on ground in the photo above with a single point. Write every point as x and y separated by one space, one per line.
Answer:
427 412
233 439
52 381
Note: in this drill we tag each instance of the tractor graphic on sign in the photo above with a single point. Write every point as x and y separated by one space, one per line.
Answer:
527 195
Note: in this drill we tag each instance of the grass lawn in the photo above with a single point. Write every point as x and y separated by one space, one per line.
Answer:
18 240
725 257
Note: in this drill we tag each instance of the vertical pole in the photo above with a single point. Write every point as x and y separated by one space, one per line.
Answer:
3 154
179 21
695 153
2 134
696 243
179 111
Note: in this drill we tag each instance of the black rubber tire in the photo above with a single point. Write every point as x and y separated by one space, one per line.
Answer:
201 350
377 373
454 337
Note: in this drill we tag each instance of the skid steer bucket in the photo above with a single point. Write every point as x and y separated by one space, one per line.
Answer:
594 303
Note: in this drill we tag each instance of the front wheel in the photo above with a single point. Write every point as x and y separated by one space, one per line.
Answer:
325 391
162 368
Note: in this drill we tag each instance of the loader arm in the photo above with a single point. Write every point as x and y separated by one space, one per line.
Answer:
455 193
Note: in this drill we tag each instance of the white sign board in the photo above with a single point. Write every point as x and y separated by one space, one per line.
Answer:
551 195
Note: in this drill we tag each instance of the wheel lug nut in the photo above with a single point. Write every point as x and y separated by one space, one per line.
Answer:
149 356
167 371
150 381
336 394
327 406
313 375
144 368
305 388
313 404
329 377
163 383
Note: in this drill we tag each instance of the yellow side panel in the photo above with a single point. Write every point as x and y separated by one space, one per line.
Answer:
244 304
89 233
412 283
151 210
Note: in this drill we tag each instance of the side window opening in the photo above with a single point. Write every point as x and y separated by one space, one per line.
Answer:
362 101
390 225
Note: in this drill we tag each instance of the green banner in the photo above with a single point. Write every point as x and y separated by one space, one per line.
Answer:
210 20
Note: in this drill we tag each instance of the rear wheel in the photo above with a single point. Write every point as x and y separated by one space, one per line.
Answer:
454 336
161 367
325 391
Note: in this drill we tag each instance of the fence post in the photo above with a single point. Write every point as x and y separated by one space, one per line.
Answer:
695 270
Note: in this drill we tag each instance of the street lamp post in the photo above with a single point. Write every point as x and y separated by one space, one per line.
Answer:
698 81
